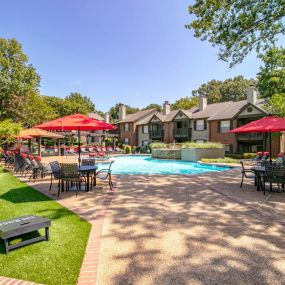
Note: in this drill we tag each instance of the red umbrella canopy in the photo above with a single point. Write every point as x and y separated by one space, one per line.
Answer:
264 125
73 122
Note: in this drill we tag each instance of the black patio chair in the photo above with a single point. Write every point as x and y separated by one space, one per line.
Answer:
273 174
70 175
55 174
106 174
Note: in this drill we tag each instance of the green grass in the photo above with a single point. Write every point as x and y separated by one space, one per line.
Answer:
220 160
55 262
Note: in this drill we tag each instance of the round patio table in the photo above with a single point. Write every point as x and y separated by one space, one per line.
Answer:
88 169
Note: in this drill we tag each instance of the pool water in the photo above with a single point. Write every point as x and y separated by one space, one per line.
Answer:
138 164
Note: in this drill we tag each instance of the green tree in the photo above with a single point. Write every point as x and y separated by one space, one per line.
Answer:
114 111
153 106
8 131
56 103
76 103
232 89
36 110
239 26
17 79
185 103
276 105
271 77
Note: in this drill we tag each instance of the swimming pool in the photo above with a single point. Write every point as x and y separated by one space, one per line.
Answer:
138 164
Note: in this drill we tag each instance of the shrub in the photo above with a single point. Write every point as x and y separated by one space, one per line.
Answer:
249 155
202 145
127 149
234 155
145 148
158 145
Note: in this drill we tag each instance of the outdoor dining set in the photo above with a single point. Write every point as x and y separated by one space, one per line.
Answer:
70 176
263 170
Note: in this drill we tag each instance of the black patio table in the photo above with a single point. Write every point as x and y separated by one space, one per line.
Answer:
259 171
88 169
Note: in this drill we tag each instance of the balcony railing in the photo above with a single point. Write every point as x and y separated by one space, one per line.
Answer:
250 137
181 132
155 134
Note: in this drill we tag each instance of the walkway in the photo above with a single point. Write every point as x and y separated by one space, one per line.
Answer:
181 230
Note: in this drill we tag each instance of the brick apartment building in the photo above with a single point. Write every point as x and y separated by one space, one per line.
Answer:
207 122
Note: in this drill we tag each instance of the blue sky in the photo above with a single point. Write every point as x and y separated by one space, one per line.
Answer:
134 52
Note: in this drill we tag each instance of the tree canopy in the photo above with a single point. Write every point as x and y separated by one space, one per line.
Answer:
153 106
232 89
271 77
237 27
8 131
185 103
114 111
37 110
18 79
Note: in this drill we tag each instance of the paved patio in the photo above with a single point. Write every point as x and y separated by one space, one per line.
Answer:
200 229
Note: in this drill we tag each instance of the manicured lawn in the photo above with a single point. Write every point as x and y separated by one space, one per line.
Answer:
55 262
220 160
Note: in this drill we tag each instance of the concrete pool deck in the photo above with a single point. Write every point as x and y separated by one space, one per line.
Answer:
181 229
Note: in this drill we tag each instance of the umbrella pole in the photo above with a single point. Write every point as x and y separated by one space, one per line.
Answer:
79 149
270 147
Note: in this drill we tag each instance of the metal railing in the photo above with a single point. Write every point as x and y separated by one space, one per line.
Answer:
251 136
181 132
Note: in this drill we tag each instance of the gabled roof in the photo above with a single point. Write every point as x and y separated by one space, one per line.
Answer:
225 110
95 116
138 116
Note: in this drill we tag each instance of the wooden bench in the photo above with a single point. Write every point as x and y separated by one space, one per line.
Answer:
14 227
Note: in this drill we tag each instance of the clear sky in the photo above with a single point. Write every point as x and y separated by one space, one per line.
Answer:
129 51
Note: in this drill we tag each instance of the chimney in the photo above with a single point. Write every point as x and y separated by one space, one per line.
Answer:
107 118
202 103
166 108
122 112
252 94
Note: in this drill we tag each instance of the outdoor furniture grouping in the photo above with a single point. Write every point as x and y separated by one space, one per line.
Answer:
70 174
22 225
264 171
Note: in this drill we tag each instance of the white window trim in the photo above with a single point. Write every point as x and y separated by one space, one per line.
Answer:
143 129
126 127
198 127
226 128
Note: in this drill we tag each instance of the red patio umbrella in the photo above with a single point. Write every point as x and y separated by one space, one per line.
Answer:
268 124
77 122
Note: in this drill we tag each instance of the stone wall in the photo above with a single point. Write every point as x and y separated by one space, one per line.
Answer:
165 153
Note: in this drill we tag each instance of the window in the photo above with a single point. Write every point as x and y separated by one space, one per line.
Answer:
225 126
145 129
126 127
228 148
126 140
200 125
